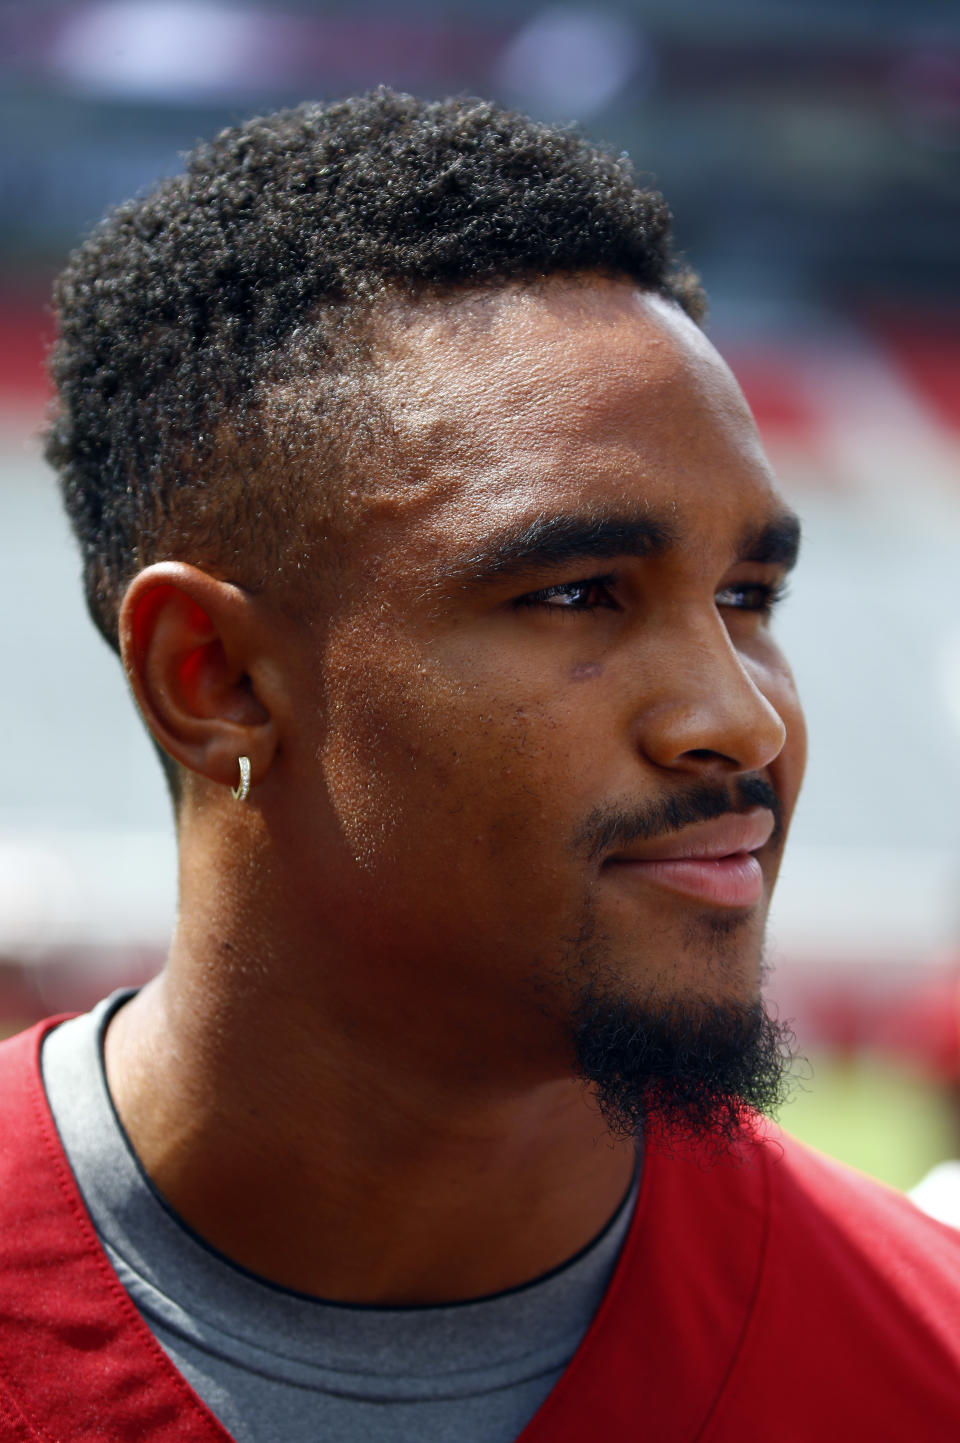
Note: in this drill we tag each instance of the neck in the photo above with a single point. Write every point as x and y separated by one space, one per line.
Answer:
332 1140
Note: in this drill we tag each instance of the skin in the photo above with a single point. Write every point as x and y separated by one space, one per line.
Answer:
354 1075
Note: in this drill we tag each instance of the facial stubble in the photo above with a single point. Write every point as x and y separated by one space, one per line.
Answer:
678 1069
680 1062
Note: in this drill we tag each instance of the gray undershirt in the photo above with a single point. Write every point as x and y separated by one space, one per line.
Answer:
274 1364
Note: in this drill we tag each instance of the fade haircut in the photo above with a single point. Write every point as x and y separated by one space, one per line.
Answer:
189 311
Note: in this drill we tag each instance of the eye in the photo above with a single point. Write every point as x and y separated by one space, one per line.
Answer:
756 596
592 594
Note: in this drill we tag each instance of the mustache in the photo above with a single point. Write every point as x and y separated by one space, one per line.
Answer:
609 827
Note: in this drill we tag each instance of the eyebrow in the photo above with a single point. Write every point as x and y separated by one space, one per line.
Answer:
549 541
777 543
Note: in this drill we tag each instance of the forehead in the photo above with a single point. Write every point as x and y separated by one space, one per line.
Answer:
575 393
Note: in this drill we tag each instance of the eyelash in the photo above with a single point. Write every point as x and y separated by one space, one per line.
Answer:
766 596
545 597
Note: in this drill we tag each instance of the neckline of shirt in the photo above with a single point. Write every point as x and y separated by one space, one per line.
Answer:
181 1282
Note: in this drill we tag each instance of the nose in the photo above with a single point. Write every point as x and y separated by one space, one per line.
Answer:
709 713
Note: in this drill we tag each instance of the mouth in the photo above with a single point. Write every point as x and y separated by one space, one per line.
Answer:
713 862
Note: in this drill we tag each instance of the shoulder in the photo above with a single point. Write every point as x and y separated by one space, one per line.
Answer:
25 1118
23 1048
773 1293
814 1229
20 1058
820 1207
857 1306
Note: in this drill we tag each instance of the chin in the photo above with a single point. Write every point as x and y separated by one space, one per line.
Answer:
699 1062
715 959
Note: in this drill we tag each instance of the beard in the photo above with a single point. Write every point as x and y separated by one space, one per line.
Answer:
686 1068
681 1070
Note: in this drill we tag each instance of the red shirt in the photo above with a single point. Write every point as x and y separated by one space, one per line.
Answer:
772 1297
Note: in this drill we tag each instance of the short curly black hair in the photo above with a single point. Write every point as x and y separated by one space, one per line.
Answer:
188 308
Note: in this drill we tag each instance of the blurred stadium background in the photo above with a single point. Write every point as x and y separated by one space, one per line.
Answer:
810 151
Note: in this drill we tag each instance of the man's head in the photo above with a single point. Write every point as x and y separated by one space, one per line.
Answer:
415 482
212 361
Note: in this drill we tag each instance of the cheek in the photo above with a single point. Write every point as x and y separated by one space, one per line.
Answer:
776 682
793 760
376 765
418 763
411 758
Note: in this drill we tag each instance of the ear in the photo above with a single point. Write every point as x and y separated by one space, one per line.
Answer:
199 665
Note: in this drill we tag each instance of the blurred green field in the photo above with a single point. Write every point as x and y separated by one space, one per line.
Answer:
882 1118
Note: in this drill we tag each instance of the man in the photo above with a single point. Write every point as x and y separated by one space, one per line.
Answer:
441 553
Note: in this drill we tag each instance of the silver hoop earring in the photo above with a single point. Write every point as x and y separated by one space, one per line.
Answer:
241 792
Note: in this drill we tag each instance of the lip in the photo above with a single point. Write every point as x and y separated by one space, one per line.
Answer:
712 862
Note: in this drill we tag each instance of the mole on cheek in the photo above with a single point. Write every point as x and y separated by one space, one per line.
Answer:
586 671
